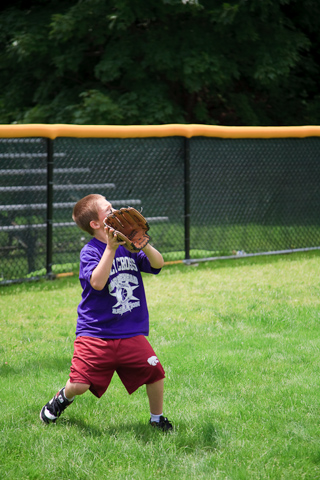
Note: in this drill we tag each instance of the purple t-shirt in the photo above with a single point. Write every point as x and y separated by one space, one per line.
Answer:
120 309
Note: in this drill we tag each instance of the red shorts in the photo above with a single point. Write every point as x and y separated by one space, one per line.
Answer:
95 360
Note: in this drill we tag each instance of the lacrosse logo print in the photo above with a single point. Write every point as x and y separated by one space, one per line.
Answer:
122 288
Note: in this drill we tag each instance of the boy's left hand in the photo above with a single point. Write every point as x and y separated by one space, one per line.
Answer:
131 227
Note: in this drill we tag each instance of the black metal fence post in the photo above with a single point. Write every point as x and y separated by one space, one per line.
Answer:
49 205
187 198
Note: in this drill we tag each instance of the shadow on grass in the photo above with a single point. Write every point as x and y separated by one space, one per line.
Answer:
40 285
186 437
36 366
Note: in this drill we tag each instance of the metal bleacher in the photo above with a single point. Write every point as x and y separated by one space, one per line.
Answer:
27 212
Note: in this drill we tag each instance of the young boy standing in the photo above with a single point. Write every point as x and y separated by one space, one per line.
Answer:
113 319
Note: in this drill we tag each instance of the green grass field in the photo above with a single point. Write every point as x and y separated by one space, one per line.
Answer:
239 340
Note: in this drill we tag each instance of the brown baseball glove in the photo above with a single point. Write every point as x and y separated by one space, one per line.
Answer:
130 226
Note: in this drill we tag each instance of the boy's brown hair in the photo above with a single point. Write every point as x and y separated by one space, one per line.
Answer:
85 210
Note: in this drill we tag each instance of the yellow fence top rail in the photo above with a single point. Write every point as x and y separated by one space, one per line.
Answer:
53 131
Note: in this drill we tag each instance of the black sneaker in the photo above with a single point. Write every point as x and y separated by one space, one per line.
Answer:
163 424
53 409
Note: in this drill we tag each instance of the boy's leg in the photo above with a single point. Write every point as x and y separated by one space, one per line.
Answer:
73 389
140 366
155 396
84 347
63 398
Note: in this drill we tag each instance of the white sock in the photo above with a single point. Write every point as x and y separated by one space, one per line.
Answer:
155 418
64 394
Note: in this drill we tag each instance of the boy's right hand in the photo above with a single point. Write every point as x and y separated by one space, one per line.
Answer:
112 239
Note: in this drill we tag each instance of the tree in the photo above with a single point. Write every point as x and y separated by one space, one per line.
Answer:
162 61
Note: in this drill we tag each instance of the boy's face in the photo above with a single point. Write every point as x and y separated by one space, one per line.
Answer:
104 208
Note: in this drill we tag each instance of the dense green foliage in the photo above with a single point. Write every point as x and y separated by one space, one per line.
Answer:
161 61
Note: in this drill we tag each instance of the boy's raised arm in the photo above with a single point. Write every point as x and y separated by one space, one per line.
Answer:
155 257
100 274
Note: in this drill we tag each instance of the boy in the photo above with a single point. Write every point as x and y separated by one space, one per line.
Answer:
113 318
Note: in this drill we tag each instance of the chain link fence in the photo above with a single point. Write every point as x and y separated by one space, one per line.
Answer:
255 195
204 197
